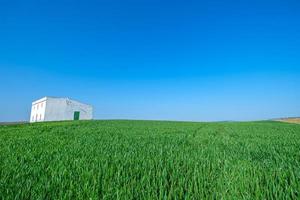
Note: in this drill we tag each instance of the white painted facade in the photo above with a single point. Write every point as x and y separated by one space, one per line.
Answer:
58 109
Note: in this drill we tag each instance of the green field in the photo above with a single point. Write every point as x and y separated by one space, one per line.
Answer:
150 160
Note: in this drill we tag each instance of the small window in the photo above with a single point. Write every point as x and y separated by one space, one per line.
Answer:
38 106
32 118
36 117
40 116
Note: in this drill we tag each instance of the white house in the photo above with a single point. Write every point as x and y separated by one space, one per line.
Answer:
57 109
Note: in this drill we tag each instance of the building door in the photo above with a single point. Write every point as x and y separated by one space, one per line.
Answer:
76 115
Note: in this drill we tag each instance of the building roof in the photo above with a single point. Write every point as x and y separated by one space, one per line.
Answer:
51 97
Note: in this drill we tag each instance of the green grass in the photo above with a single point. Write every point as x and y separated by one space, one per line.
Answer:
150 160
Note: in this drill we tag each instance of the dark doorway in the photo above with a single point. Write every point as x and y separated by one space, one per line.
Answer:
76 115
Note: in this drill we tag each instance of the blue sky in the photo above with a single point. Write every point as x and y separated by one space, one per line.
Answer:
150 59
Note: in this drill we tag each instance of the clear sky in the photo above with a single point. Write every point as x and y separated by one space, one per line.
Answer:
153 59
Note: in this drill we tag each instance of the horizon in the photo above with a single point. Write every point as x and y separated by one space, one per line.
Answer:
155 120
153 60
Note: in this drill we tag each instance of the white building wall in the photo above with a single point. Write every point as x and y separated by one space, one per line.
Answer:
86 111
57 109
38 110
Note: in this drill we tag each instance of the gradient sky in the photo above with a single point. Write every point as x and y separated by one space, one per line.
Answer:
153 59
